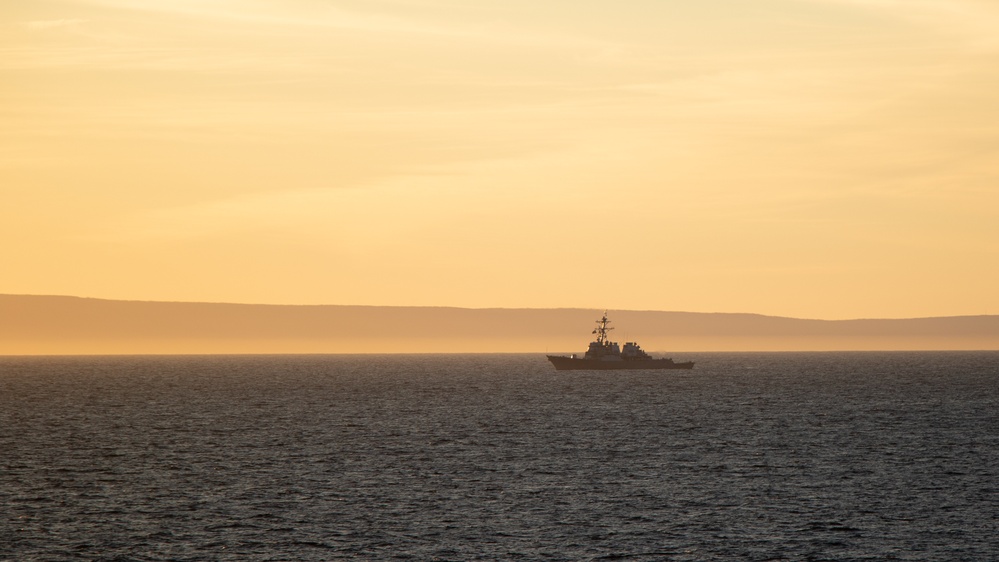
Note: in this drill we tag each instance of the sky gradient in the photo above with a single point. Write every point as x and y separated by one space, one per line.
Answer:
809 158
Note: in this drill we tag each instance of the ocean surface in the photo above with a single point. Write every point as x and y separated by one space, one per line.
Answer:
762 456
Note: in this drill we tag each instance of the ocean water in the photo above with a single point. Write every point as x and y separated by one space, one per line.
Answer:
796 456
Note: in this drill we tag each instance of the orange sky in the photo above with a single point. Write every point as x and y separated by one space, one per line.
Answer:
808 158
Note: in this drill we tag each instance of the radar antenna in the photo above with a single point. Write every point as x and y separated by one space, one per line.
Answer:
602 329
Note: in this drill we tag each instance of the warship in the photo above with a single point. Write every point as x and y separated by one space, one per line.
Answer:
604 354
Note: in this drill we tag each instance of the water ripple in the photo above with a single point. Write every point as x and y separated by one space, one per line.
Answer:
858 456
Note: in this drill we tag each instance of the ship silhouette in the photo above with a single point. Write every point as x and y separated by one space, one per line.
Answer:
604 354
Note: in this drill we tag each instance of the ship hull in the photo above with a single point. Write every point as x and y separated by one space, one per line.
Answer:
563 363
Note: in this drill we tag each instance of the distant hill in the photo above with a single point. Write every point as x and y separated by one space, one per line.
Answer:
44 325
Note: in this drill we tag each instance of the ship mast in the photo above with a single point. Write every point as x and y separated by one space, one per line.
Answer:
602 329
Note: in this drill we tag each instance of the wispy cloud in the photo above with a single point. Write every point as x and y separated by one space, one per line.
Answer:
279 14
211 218
377 18
278 210
975 20
38 25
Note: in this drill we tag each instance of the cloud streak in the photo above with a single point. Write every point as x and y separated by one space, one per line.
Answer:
975 21
41 25
275 15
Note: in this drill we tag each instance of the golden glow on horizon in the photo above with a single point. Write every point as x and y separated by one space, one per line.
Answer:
807 158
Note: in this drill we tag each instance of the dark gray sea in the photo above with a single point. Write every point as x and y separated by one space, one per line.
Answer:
764 456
